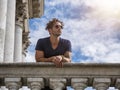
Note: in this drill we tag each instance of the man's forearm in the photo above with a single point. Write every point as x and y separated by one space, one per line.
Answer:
43 60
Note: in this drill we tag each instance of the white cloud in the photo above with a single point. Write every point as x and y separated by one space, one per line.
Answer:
73 2
30 57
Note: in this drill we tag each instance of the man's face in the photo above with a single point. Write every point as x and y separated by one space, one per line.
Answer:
57 29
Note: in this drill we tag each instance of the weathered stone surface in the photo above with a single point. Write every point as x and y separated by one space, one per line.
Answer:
69 71
3 12
35 83
79 83
18 44
117 85
13 83
101 83
10 32
11 13
57 83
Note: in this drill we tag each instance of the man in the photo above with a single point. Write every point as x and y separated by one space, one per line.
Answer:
54 48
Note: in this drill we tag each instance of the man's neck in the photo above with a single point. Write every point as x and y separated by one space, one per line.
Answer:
54 40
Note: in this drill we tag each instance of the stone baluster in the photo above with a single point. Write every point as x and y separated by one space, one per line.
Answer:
57 83
117 85
3 88
3 12
101 83
10 32
79 83
35 83
13 83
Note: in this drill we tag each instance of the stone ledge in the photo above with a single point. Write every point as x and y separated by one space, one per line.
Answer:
69 71
47 64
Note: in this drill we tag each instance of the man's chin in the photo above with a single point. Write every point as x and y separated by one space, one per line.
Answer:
58 35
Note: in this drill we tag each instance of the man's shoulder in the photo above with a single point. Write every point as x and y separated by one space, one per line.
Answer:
65 40
43 39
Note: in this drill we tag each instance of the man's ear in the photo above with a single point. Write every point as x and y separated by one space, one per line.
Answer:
49 30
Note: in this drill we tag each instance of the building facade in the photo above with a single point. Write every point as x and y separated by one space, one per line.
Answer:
14 28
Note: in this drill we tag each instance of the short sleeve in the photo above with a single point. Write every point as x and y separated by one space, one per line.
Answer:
69 47
39 45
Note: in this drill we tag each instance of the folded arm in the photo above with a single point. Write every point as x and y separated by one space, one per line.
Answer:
58 60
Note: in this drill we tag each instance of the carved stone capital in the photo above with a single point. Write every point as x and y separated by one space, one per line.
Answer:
35 83
101 83
79 83
26 42
57 83
21 11
22 15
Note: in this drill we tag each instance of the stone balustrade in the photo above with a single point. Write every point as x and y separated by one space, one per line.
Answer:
77 75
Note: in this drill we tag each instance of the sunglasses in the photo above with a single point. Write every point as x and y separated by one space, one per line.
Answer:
58 26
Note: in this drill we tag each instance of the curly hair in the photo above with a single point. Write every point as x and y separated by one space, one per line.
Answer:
51 23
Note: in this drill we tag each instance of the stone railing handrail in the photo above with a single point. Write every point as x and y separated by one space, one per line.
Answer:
77 75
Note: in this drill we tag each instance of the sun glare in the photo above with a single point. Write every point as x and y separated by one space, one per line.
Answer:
106 6
112 6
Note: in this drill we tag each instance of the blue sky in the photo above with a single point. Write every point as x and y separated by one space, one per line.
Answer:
92 26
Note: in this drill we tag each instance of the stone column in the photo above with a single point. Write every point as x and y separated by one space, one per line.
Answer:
13 83
20 13
10 31
57 83
26 41
117 85
101 83
3 13
18 43
21 21
35 83
79 83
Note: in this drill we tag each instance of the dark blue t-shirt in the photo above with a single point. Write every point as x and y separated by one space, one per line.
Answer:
45 45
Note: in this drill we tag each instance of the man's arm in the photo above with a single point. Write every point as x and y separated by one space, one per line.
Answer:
39 56
67 57
68 54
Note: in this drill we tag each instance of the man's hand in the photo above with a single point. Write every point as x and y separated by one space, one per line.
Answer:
57 60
